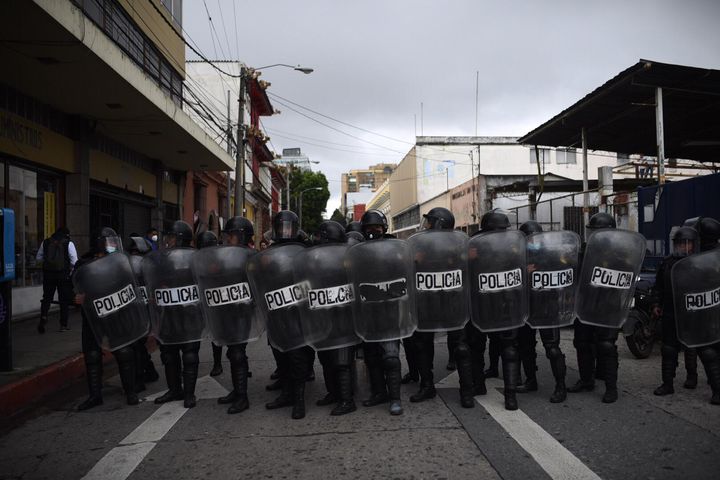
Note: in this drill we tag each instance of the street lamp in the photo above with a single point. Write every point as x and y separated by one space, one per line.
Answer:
288 170
301 194
245 73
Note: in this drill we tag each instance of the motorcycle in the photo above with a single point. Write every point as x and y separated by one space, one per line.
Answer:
643 327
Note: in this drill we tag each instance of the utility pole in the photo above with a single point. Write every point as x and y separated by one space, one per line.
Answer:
229 150
240 157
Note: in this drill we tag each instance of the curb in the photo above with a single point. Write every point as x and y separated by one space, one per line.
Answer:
47 381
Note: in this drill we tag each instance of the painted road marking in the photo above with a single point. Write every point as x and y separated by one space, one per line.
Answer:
557 461
121 461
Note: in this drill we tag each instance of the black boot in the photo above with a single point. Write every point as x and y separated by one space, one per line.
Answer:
529 365
239 374
465 375
392 377
586 364
94 371
344 391
171 361
190 374
557 364
711 361
426 392
511 370
494 349
217 360
126 368
668 365
691 368
286 396
139 354
298 410
378 389
424 358
330 385
608 356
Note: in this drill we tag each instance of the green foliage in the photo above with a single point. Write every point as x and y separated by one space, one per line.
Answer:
313 201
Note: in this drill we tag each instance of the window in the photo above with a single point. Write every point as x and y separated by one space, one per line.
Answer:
566 156
543 155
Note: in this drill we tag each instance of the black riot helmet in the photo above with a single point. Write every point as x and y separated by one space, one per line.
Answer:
353 227
494 220
353 238
685 241
207 239
374 224
239 227
439 218
330 232
179 235
285 226
530 227
107 241
601 220
709 230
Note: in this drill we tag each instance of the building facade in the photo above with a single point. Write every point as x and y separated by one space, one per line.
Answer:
357 180
92 132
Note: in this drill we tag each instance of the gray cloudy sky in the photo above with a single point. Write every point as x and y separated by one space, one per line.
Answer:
376 61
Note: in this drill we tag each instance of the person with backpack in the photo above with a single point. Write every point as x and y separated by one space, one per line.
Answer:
58 256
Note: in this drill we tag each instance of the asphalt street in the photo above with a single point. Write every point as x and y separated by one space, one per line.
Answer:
640 436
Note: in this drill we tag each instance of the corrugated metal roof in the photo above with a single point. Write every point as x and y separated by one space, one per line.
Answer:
619 116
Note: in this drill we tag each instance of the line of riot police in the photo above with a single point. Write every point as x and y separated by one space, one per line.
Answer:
369 288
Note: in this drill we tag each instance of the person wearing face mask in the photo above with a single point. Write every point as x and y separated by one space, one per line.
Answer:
152 237
104 281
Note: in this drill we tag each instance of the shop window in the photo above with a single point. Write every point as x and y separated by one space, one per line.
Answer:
33 197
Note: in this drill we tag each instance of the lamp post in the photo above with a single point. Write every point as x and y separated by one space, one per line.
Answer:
245 74
288 171
301 194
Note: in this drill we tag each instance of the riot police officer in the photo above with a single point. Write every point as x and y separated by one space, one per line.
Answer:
381 358
238 231
591 341
105 242
423 342
491 222
181 360
550 338
204 240
337 363
294 364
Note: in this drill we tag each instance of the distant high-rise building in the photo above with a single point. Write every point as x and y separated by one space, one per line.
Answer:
294 157
371 177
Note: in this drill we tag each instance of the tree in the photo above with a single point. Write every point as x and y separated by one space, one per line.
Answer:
313 201
339 217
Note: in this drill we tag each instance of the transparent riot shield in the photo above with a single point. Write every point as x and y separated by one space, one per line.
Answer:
136 264
174 298
552 278
327 316
115 313
380 271
225 296
606 285
498 275
279 297
440 279
696 294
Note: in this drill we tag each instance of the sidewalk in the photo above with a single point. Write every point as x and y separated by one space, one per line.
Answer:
42 364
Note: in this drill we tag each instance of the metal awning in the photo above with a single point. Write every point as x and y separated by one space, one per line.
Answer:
619 116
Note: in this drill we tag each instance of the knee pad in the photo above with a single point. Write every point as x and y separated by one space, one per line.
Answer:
552 351
93 357
344 356
581 343
391 363
669 351
169 355
125 354
236 354
707 354
606 348
190 356
462 351
510 354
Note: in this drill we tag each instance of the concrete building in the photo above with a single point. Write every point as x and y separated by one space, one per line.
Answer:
356 180
214 95
92 129
471 175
